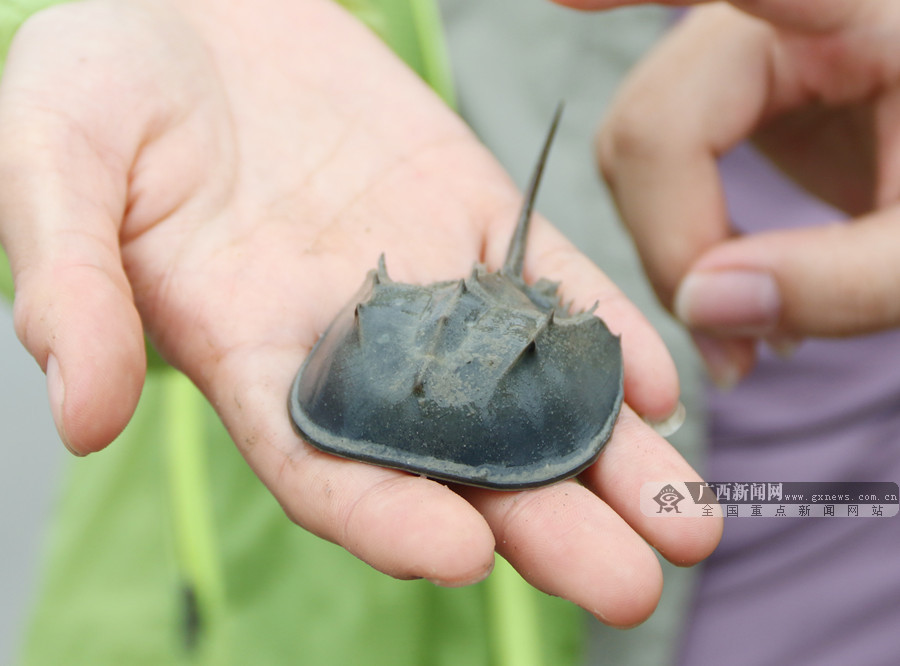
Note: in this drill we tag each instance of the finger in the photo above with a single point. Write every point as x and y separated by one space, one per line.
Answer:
61 199
834 280
636 455
729 359
594 5
651 380
566 542
404 525
806 15
658 146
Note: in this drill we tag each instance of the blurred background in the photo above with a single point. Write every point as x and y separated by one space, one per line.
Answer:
30 467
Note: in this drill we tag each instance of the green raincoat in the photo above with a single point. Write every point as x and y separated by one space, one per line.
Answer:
166 549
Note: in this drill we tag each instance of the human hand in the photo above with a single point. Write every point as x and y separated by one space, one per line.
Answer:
816 84
223 176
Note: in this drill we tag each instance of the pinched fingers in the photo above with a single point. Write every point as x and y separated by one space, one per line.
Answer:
658 151
658 146
830 280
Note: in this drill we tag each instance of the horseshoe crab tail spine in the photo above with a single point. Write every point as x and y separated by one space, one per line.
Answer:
515 256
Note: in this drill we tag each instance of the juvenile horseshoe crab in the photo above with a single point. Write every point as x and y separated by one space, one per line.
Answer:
485 381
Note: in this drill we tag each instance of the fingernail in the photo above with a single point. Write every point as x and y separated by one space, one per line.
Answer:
737 302
723 371
784 346
671 424
56 392
462 582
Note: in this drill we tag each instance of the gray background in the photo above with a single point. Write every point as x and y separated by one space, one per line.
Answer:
31 458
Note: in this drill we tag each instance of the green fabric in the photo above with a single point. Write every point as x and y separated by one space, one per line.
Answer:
166 549
413 30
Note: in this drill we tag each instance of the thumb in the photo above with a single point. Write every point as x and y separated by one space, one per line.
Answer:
74 315
835 280
73 309
62 198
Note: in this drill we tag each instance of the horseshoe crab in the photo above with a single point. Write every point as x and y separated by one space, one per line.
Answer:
486 381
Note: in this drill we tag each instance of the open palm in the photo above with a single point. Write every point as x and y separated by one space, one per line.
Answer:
222 178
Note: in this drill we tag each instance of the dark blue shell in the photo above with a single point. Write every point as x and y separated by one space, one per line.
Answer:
485 381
